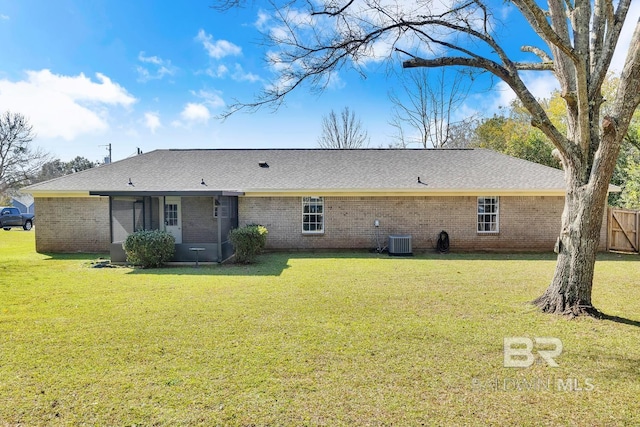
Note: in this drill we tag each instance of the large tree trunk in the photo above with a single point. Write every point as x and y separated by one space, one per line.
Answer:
570 289
585 203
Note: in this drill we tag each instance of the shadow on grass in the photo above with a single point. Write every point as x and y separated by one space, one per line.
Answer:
621 320
428 254
80 256
266 265
274 263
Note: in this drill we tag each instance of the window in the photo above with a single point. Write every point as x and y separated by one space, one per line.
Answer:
313 215
488 214
171 214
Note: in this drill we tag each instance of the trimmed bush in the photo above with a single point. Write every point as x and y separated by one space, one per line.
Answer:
149 248
248 242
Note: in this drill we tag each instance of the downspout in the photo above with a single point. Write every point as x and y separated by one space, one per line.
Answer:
219 223
163 224
110 223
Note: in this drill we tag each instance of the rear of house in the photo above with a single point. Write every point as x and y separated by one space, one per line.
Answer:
308 199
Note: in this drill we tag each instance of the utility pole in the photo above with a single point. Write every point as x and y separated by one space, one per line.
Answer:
107 160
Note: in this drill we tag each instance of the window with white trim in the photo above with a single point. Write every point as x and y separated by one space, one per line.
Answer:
171 214
488 215
312 215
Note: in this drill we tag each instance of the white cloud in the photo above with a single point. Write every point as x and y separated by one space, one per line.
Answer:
150 59
218 72
199 112
152 121
222 71
211 98
540 84
195 113
241 76
64 106
261 21
219 48
4 17
157 69
334 81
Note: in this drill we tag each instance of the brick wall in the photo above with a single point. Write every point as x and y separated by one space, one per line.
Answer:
72 224
526 223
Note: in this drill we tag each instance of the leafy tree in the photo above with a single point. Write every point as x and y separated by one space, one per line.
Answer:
50 170
578 39
627 172
630 196
56 168
342 132
79 164
514 135
18 160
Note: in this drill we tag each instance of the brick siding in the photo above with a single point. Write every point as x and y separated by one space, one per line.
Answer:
72 224
526 223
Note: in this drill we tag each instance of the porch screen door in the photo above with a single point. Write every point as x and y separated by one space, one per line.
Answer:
173 217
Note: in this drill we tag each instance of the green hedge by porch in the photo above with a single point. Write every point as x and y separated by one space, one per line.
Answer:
248 242
149 248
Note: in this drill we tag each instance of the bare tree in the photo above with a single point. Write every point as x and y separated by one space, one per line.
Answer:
18 161
423 113
578 39
342 132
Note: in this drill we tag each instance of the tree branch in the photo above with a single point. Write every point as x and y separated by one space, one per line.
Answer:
534 66
626 102
540 119
335 12
538 20
614 23
538 52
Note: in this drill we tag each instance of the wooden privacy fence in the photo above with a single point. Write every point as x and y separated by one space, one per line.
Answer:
622 230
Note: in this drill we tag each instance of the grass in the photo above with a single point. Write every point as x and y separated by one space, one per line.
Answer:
308 339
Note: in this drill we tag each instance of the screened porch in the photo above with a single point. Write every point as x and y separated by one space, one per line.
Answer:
200 223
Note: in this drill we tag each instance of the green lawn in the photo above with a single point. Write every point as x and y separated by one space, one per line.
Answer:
308 339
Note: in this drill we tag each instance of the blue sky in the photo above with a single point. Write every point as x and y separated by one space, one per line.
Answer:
144 74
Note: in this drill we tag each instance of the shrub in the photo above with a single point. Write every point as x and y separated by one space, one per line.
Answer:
149 248
248 242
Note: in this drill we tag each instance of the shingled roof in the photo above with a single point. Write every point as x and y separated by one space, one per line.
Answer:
318 171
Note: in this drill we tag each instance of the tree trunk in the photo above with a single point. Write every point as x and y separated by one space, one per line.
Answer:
570 290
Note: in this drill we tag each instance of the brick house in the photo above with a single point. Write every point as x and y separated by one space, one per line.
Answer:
307 198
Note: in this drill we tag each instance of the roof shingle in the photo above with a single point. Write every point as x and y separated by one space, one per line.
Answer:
313 170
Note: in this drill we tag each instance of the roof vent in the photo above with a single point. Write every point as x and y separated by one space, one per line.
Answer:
400 245
263 164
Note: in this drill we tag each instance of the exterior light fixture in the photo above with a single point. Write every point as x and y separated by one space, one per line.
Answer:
130 184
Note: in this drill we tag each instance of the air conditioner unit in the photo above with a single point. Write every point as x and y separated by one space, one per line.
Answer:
400 245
